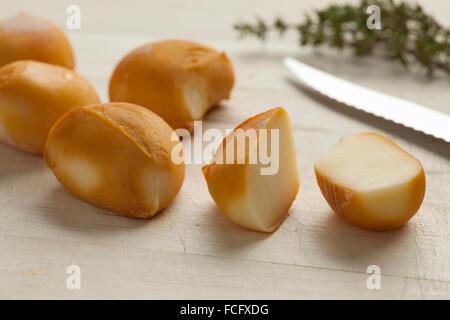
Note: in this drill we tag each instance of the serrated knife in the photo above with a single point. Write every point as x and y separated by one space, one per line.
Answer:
382 105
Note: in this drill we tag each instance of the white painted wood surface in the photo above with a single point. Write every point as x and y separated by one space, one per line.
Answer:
190 250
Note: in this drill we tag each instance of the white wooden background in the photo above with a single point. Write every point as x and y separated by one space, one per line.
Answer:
190 250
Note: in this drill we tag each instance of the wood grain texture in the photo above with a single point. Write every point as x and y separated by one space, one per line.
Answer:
190 250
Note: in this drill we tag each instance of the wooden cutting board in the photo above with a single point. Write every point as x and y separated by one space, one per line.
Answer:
190 250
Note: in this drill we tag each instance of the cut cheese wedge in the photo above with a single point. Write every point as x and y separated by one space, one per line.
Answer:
252 191
371 182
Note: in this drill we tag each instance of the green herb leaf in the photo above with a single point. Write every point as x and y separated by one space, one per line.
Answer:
407 33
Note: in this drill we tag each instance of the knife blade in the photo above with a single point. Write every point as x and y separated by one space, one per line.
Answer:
392 108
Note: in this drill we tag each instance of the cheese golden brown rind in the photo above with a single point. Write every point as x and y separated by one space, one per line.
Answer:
178 80
116 156
371 182
33 95
24 37
246 196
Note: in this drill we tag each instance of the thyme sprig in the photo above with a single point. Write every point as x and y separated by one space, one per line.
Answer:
407 35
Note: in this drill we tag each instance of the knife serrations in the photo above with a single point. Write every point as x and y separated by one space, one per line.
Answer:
382 105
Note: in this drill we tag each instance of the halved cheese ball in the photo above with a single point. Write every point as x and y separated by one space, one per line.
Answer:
116 156
178 80
249 196
24 37
33 95
371 182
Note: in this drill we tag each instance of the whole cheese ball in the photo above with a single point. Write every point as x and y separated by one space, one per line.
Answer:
116 156
25 37
178 80
33 95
